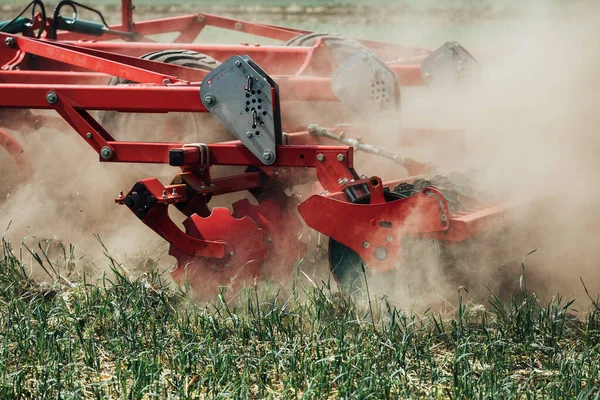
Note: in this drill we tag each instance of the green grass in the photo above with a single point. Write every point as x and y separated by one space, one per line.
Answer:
125 337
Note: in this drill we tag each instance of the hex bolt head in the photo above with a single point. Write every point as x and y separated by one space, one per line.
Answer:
268 156
238 26
106 153
388 239
238 63
10 42
201 19
366 245
320 157
249 135
340 157
88 135
210 99
51 97
231 254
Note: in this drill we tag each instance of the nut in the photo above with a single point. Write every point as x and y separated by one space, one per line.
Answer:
51 97
268 156
366 245
10 42
210 99
340 157
320 157
106 153
88 135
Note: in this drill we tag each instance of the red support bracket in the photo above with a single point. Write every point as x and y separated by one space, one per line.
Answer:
374 231
149 200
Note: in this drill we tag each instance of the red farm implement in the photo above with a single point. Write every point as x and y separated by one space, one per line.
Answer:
90 73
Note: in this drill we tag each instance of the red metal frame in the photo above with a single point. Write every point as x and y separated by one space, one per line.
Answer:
69 76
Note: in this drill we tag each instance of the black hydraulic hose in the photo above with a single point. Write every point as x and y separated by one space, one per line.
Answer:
33 3
73 5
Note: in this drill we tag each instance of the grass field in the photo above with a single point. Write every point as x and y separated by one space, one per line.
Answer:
132 335
137 338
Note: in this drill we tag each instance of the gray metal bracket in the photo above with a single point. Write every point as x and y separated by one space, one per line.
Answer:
450 63
246 101
366 84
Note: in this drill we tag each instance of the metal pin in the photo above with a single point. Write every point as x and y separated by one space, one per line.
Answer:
254 119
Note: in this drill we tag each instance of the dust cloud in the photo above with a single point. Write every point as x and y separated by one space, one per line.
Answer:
530 140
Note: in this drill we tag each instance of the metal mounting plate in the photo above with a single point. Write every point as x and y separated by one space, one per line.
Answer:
246 101
366 84
450 63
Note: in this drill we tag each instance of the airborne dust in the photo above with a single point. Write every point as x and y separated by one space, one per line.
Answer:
530 139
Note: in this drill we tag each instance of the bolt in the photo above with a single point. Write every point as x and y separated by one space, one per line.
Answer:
10 42
201 19
238 63
249 135
106 153
269 240
51 97
366 245
166 82
164 195
320 157
339 90
88 135
388 238
212 185
238 26
174 192
340 181
340 157
210 100
380 253
231 254
444 217
268 156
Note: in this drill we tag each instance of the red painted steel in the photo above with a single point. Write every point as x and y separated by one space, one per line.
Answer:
70 76
366 227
